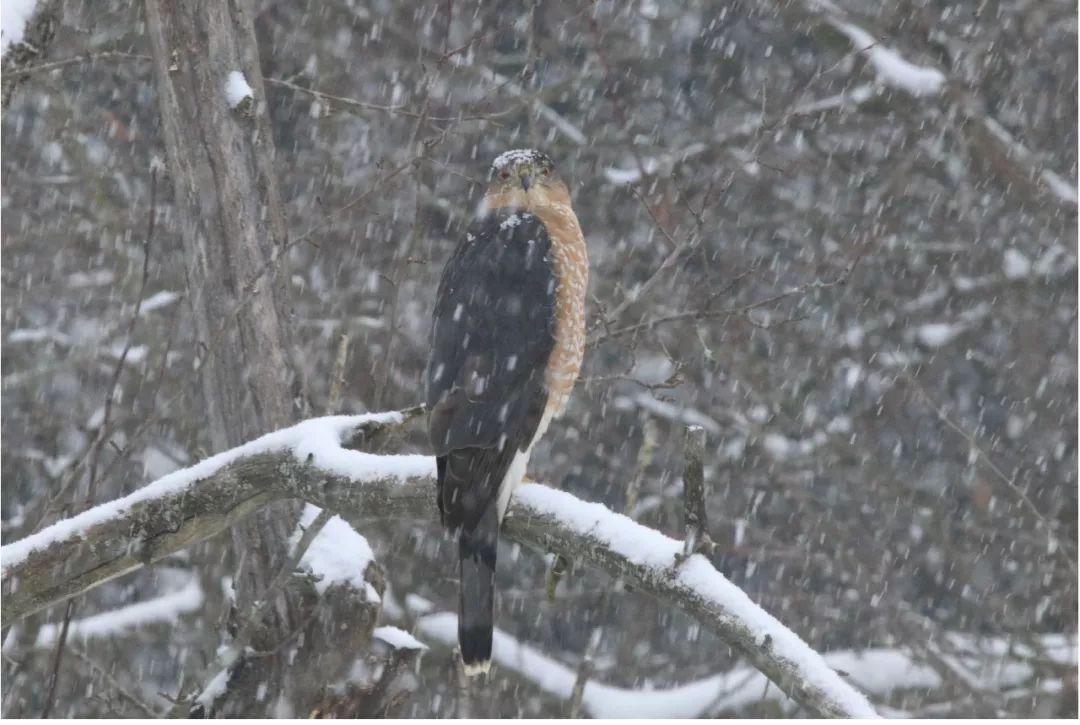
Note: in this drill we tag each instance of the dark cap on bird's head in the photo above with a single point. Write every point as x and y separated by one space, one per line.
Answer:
521 166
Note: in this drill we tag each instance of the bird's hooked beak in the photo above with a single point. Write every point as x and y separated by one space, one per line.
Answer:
524 172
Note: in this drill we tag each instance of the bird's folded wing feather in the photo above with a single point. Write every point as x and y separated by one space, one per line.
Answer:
491 339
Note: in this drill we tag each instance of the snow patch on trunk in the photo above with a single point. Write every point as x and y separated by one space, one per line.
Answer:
237 89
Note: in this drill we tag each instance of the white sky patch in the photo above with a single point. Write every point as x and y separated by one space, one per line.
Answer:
891 67
319 438
13 17
937 334
1015 265
338 555
237 89
398 638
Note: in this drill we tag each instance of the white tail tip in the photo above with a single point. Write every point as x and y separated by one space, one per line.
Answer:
477 668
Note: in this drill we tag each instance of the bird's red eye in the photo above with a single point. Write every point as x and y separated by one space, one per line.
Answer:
505 175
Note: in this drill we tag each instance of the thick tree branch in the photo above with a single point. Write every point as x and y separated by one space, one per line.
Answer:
307 461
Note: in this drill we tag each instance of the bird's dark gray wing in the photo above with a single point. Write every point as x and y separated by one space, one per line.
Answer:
492 336
491 339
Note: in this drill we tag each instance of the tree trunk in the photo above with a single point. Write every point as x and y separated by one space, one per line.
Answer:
220 160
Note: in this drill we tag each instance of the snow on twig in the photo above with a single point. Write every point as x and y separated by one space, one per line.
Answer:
1051 180
877 670
397 638
567 129
892 68
993 139
338 555
165 609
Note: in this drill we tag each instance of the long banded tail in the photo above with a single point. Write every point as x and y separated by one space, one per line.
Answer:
476 616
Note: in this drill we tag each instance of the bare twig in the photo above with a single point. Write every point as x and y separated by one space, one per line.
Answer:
353 104
677 251
91 454
103 429
58 654
742 310
584 672
88 57
115 684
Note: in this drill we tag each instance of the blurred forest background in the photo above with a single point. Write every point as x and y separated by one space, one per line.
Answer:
853 263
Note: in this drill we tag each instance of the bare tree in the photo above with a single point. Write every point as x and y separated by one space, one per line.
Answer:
837 237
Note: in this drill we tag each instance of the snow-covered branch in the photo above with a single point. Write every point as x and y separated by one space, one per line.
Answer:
994 664
196 503
164 609
308 461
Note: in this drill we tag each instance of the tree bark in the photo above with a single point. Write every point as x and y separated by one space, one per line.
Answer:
220 160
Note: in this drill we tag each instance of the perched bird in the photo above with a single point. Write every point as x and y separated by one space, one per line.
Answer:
507 340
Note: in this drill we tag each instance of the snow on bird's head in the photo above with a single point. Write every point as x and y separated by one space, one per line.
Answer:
515 157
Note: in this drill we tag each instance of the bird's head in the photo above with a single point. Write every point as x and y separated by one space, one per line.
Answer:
526 179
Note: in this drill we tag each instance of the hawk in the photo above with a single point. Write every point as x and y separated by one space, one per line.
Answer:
507 339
